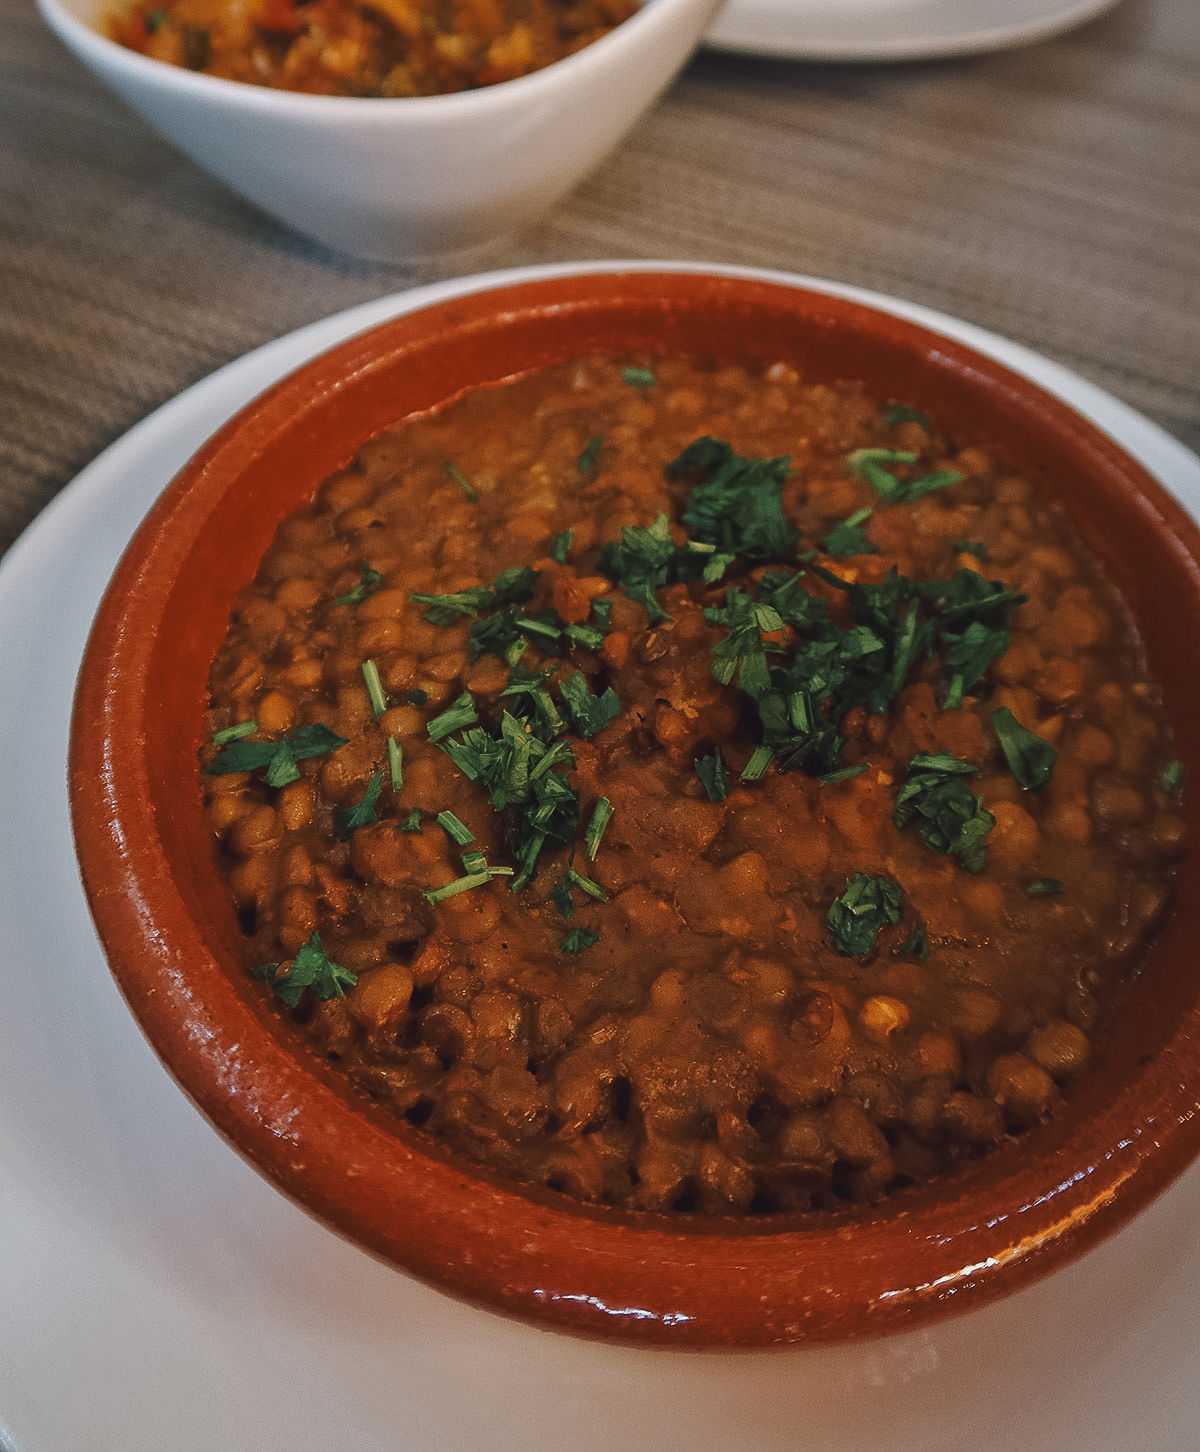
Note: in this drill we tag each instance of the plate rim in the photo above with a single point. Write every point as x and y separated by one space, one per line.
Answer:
751 27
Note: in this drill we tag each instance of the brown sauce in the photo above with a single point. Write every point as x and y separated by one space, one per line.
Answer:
745 995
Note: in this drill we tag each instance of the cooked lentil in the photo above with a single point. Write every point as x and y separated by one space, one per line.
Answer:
730 995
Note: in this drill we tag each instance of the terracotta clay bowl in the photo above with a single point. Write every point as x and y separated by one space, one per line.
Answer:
169 930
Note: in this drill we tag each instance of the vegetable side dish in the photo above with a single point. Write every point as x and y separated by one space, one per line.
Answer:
375 48
691 789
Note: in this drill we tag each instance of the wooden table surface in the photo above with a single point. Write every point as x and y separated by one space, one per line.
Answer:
1050 193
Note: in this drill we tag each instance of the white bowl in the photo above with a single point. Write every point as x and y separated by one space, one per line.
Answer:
402 179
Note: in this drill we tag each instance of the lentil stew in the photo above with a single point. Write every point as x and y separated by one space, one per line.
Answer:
824 762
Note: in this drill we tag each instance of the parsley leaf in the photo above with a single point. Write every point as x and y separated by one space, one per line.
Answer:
973 626
644 560
831 778
1045 887
590 713
561 892
511 587
848 538
376 695
519 769
463 482
868 464
916 945
952 819
577 940
898 413
458 714
460 834
588 458
279 757
311 968
855 918
742 652
459 885
346 819
234 733
595 830
369 582
737 505
1030 759
713 776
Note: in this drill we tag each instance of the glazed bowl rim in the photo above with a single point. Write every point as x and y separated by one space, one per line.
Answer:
559 1306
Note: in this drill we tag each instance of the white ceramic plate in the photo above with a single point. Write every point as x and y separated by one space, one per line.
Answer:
156 1295
880 30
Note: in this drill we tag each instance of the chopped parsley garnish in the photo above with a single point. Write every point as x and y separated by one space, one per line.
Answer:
588 458
586 635
831 778
737 504
868 464
1173 777
1045 887
312 968
898 413
346 819
855 918
369 581
375 692
756 768
849 538
916 945
234 733
952 819
802 670
713 776
460 884
595 829
646 559
463 482
395 764
577 940
560 896
458 714
520 769
455 830
638 377
743 652
973 627
531 698
1030 759
411 823
279 757
510 587
590 713
561 892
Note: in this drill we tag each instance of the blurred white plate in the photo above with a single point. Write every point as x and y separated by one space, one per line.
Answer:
864 30
157 1295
